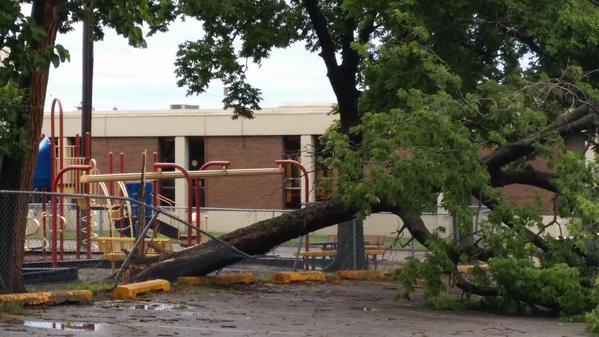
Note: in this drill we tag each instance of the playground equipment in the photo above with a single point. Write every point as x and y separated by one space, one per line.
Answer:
63 168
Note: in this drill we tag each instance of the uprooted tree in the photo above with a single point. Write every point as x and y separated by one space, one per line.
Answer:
27 49
458 98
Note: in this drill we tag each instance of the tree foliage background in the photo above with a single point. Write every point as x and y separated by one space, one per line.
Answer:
459 98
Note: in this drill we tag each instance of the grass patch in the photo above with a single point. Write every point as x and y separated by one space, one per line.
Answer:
12 308
95 288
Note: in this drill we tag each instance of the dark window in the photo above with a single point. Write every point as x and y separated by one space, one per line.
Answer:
196 160
292 181
166 154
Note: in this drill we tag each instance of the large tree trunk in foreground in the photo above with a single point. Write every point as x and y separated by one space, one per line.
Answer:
255 239
17 173
350 247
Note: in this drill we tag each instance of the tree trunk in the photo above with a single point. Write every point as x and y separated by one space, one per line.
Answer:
350 247
350 234
255 239
17 173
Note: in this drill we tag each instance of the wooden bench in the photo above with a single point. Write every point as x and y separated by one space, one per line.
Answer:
115 249
313 254
372 243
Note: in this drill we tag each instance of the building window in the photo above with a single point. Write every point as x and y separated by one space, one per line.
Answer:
292 188
323 175
196 160
166 154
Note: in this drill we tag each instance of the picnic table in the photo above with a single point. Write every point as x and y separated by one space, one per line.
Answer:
328 249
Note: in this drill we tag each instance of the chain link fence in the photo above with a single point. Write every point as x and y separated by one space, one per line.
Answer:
74 241
91 241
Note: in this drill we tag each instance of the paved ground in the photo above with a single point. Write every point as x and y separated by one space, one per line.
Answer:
332 309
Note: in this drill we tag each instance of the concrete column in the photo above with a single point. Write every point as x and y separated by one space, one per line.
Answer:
307 158
589 155
181 158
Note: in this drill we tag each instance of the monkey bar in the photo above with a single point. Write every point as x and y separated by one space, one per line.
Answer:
136 176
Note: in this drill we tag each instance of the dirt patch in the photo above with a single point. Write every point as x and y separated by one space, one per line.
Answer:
331 309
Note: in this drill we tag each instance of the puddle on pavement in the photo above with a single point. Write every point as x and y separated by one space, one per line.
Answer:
154 308
158 306
66 326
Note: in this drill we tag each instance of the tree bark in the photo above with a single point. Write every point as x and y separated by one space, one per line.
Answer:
342 78
17 173
349 236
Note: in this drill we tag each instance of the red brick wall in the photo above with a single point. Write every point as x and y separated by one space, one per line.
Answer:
131 146
250 191
527 195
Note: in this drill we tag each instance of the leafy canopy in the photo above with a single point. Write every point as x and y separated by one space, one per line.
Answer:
21 36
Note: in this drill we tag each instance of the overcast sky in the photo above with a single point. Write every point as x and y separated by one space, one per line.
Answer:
128 78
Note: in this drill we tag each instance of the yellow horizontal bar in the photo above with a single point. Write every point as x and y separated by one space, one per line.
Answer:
158 175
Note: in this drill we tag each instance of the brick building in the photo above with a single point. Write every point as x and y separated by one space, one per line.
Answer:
191 137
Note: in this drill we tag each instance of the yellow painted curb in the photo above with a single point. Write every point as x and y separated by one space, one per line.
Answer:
51 297
288 277
365 275
221 280
467 268
132 290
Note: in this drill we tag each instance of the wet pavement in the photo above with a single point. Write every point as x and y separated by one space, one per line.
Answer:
335 309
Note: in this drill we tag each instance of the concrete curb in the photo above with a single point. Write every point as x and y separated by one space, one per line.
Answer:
361 275
50 297
289 277
221 280
132 290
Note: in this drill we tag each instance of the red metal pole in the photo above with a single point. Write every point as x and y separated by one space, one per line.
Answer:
225 164
189 194
88 223
54 207
78 189
155 182
78 154
60 167
198 223
306 192
155 192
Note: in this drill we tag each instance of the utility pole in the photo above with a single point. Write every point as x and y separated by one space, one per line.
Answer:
87 78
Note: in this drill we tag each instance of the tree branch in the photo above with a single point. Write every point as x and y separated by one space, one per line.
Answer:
529 177
576 120
527 40
471 288
418 230
492 204
320 24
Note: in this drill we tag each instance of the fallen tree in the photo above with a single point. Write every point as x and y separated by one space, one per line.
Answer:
256 239
492 104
